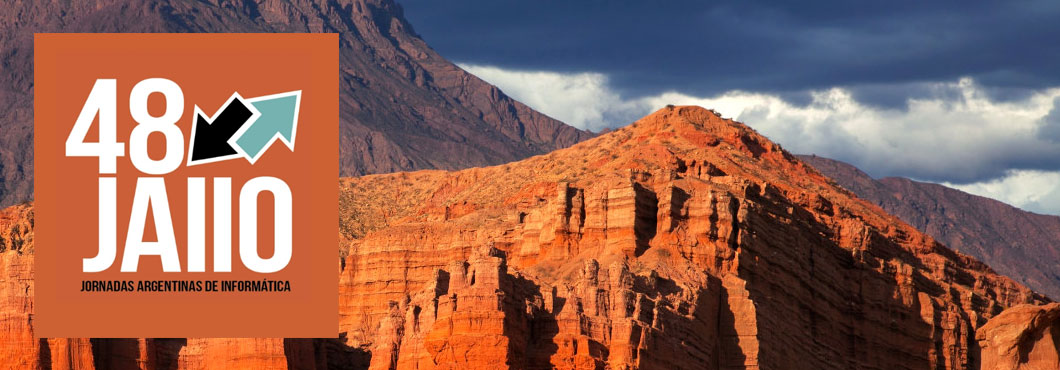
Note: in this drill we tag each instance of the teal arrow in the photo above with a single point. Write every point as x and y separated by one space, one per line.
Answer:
278 119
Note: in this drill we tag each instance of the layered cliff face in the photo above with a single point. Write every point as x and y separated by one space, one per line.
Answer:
682 241
17 346
1018 244
403 106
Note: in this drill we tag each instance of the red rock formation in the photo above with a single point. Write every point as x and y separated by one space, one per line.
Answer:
403 106
1019 244
1022 337
719 250
18 348
682 241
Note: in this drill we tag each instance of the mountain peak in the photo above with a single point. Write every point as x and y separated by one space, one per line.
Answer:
684 118
702 127
691 113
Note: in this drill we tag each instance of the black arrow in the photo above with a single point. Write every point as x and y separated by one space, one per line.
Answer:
211 138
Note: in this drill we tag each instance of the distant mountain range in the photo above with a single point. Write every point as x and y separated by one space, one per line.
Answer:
1022 245
403 106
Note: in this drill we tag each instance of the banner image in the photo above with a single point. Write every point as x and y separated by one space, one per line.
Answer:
186 185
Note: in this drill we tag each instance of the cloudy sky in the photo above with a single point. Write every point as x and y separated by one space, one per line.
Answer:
965 93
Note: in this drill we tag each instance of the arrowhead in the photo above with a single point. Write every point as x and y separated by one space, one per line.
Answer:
278 120
210 136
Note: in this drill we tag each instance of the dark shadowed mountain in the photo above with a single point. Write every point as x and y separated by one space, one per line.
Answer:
1017 243
403 106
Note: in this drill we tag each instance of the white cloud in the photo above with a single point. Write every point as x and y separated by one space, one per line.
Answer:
583 100
959 134
1035 191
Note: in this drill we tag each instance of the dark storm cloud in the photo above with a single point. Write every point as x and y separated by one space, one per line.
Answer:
781 46
902 63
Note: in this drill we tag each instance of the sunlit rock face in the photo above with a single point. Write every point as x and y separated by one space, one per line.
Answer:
682 241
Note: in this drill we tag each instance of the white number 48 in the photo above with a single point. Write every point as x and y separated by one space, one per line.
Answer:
102 102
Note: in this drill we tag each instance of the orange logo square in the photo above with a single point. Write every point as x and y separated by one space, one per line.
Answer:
186 185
